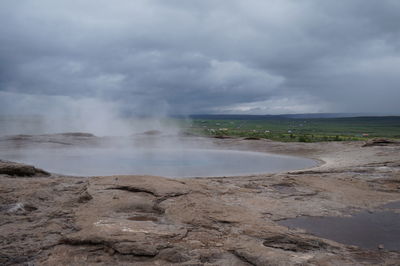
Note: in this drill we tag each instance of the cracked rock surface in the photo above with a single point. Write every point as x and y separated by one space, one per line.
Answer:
48 219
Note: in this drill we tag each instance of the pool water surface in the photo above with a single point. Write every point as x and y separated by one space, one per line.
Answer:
161 162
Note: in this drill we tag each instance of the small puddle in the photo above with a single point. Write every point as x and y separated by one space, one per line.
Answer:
392 205
364 229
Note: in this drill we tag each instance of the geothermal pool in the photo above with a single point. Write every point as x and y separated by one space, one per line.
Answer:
161 162
365 229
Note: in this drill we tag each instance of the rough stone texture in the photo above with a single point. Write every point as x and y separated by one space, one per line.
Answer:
145 220
35 213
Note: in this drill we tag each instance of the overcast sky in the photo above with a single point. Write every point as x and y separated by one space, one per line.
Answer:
200 56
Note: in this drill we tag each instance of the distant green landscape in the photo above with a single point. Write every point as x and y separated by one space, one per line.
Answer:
282 128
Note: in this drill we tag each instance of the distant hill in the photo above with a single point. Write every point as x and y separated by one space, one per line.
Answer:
288 116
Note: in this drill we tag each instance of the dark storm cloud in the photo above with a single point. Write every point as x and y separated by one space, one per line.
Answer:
202 56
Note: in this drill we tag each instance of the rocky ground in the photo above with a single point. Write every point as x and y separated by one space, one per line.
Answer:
49 219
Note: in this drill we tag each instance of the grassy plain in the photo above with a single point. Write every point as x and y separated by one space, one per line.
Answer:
295 129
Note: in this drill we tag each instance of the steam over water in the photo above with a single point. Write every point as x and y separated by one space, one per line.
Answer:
153 161
138 146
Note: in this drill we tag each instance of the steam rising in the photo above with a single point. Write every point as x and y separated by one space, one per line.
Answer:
41 114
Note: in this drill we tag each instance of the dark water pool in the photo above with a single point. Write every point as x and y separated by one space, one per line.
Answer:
364 229
163 162
392 205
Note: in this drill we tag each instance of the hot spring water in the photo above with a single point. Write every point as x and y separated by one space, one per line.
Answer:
161 162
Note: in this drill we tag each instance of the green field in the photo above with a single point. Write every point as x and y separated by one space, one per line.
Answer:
296 129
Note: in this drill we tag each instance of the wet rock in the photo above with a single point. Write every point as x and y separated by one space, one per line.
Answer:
222 137
77 134
296 244
19 169
380 142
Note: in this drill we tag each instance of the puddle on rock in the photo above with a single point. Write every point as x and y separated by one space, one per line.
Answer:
392 205
364 229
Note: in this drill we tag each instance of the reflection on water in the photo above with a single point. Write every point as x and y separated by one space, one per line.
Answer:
366 230
163 162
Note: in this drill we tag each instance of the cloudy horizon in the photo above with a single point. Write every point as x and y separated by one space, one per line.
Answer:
191 57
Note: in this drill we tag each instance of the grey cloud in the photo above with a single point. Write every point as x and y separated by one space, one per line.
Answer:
204 56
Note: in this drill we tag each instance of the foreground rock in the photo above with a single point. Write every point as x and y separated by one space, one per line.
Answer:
145 220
